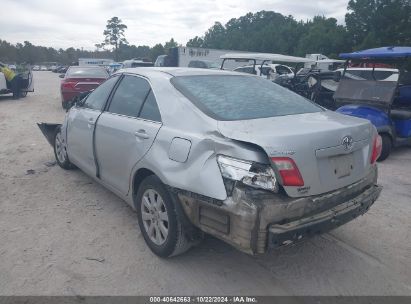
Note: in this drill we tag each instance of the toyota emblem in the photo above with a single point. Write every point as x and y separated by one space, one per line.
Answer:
347 142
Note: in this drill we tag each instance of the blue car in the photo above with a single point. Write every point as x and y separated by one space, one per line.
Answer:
387 104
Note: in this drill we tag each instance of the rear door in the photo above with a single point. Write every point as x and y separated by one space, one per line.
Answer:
126 130
80 128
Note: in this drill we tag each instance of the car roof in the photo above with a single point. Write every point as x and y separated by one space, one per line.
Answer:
171 71
381 52
86 66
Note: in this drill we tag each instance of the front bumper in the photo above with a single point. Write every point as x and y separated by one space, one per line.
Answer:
254 221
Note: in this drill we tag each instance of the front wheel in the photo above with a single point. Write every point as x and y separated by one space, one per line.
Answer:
386 147
158 220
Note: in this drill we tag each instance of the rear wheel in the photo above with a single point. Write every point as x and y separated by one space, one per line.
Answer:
158 219
386 147
60 151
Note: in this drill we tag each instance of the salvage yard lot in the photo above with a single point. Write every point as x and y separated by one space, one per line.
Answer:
63 234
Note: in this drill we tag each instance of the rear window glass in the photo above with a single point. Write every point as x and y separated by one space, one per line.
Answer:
368 74
96 72
229 97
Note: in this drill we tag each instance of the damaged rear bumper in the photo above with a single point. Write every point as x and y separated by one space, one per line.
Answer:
294 231
254 221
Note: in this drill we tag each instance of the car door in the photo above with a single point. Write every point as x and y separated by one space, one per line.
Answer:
81 123
126 130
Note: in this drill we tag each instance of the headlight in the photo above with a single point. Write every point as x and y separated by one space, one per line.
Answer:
253 174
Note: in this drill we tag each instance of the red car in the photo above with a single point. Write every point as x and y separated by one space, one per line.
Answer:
80 79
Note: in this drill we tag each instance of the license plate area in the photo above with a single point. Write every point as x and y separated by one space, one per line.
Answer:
342 165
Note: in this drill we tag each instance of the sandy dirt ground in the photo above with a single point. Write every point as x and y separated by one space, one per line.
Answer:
63 234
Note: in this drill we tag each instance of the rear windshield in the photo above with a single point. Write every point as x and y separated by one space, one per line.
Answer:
369 75
229 97
94 72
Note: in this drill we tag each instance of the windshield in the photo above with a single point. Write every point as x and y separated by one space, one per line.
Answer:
89 72
229 97
370 75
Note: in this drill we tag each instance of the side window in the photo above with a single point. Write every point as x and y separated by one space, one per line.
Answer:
129 96
150 109
97 99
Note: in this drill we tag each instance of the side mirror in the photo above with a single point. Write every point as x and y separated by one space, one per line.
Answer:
78 100
61 75
337 76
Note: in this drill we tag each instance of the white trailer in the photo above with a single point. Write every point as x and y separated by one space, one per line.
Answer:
194 57
322 62
94 61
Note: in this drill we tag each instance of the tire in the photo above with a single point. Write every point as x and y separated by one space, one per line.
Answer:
386 147
23 94
161 227
60 151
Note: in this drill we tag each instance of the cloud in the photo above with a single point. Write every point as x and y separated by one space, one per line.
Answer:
80 23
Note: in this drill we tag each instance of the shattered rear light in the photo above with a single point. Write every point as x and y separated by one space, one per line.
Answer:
376 149
288 170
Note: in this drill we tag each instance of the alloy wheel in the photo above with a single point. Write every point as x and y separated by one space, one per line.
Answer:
60 148
155 217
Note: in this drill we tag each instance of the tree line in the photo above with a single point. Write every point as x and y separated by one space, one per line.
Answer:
368 23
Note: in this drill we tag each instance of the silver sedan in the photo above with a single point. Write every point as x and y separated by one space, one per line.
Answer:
232 155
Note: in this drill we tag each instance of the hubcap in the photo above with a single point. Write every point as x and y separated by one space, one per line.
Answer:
155 216
60 148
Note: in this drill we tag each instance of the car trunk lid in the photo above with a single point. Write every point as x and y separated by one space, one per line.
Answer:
331 150
82 84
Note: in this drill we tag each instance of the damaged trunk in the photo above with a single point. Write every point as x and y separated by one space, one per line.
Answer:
315 142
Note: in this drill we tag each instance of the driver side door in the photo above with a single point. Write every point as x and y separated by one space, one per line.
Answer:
81 124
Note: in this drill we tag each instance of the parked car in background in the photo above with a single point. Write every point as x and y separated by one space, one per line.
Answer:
62 69
43 68
208 151
79 79
36 68
55 68
271 71
12 67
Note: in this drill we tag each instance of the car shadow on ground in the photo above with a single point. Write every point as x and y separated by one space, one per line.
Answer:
6 97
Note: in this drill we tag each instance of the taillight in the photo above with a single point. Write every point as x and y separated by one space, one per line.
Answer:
288 170
68 85
376 149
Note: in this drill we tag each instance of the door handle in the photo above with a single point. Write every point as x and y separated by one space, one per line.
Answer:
142 134
91 122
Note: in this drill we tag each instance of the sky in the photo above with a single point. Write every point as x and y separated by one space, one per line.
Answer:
80 23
